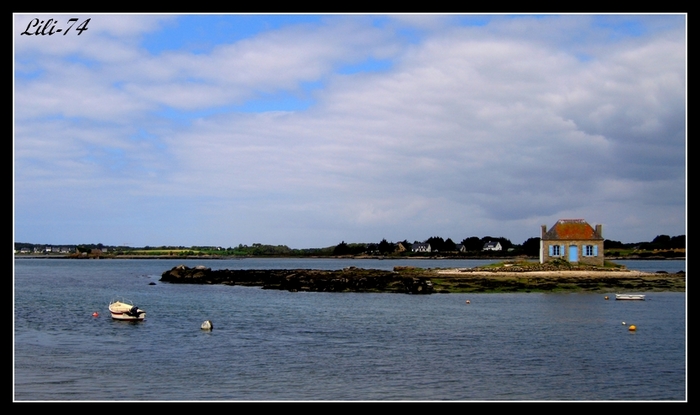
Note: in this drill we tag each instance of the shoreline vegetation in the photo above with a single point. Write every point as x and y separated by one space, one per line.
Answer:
675 255
680 257
505 277
487 247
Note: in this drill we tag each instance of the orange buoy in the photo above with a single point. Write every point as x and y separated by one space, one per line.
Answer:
633 327
95 314
606 297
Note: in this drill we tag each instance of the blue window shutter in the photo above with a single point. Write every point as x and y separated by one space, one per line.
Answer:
551 248
561 251
595 250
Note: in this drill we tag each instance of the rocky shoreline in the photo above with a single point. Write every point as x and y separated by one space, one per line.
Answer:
414 280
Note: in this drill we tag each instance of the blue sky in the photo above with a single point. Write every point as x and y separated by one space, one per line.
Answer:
308 130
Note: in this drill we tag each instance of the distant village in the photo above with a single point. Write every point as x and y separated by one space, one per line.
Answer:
88 249
573 240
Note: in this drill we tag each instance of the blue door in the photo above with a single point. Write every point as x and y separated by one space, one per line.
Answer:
573 253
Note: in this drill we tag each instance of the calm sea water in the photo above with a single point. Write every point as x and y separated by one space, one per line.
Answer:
279 346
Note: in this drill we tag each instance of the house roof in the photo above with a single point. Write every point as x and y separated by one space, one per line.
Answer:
572 229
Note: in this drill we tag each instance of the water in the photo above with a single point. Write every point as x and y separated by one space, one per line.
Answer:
279 346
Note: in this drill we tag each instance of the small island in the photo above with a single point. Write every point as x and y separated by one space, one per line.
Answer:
509 277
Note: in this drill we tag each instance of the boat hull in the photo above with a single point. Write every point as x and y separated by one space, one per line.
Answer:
124 317
630 297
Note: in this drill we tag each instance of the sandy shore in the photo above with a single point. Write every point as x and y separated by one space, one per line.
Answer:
466 272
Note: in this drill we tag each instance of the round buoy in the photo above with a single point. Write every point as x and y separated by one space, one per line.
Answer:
207 325
467 301
633 327
95 314
606 297
623 323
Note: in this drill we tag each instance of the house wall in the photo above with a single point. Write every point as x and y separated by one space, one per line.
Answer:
421 248
598 259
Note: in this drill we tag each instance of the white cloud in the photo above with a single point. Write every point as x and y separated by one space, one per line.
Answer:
471 129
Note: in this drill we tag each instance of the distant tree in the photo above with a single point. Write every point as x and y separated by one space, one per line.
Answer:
531 247
661 239
472 244
385 247
608 244
506 244
341 249
663 242
678 241
449 245
349 249
436 243
660 242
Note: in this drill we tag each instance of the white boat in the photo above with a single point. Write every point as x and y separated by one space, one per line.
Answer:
123 309
629 297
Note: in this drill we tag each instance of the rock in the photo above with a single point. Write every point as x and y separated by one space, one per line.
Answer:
350 279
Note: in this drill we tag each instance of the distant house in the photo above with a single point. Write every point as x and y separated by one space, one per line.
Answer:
573 240
400 247
460 248
420 247
492 246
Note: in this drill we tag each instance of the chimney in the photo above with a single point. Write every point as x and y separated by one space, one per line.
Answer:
544 230
599 230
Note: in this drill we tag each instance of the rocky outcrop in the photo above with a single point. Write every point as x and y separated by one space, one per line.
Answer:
425 281
350 279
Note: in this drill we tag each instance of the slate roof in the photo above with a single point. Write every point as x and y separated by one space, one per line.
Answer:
572 229
420 246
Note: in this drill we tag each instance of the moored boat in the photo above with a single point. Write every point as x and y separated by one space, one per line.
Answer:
629 296
123 309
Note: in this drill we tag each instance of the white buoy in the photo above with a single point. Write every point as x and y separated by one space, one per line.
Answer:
207 325
623 323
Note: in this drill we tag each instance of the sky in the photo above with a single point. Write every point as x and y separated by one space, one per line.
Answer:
307 130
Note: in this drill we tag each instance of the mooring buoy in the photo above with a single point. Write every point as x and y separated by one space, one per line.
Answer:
207 325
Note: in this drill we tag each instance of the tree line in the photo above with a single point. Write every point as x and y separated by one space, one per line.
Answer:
437 244
471 246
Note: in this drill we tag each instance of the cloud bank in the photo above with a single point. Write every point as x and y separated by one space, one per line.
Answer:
352 128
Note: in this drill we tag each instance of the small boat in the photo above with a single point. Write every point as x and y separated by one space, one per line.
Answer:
123 309
629 297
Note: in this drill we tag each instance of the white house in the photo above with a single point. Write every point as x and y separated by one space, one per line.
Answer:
422 247
492 246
